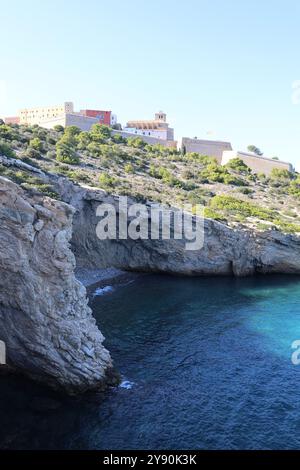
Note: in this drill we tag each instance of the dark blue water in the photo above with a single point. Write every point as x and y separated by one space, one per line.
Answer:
207 363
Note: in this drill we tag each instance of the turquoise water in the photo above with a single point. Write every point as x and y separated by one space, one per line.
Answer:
205 362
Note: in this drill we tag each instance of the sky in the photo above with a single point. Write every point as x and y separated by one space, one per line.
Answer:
221 70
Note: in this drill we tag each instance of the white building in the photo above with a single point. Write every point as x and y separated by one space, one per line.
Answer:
113 120
157 128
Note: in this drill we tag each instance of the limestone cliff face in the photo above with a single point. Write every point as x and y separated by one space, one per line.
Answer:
45 321
226 251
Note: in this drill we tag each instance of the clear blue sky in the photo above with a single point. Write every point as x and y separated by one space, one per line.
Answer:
219 69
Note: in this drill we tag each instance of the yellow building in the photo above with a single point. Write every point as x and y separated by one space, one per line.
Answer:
33 116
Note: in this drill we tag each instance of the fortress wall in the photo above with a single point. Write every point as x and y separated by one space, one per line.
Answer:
148 139
84 123
211 148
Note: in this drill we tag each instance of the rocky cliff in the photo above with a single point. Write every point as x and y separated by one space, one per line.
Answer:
45 321
226 251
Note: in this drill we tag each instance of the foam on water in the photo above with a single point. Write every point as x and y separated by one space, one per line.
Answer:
103 290
126 384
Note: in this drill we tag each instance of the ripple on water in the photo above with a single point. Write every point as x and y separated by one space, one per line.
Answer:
205 364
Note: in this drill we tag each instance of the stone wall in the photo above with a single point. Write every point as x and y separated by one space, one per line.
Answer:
211 148
148 139
83 122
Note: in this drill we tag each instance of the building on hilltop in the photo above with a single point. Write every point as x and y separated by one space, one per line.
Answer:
258 164
33 116
210 148
147 138
12 120
63 114
157 128
104 117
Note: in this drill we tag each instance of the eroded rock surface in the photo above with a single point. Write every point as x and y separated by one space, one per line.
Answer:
48 328
226 251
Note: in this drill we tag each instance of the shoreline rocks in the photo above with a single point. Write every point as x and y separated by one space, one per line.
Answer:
45 322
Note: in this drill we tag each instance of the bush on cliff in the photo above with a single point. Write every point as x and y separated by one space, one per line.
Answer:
238 207
59 128
6 150
294 188
66 153
106 181
215 173
281 175
100 132
238 165
136 142
118 139
36 144
8 133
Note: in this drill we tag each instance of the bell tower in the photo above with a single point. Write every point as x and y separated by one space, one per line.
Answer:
161 116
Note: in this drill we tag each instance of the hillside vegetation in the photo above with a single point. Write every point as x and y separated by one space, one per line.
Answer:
231 193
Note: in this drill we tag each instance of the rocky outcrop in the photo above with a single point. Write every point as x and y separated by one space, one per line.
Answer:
226 251
45 321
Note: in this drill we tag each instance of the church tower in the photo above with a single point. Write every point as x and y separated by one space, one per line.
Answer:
160 116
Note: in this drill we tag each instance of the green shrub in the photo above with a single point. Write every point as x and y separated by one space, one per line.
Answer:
32 153
129 168
294 188
78 176
262 177
8 133
202 159
238 165
287 227
230 179
118 139
50 140
247 191
238 207
100 132
215 173
84 139
72 131
66 153
282 175
6 150
51 154
59 128
212 214
47 190
136 142
36 144
106 180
